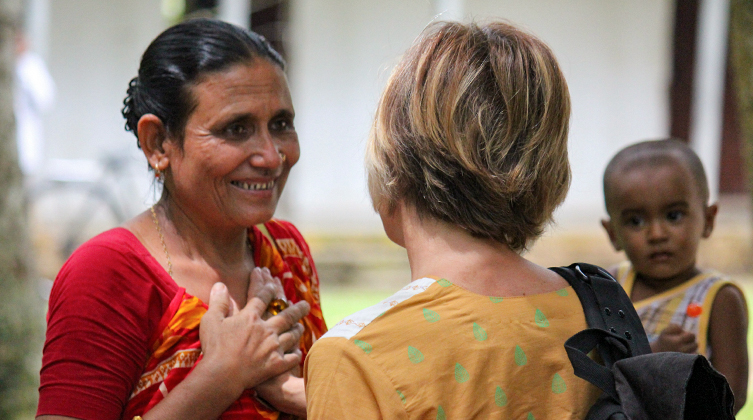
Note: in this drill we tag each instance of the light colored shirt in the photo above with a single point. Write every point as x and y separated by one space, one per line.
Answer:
687 305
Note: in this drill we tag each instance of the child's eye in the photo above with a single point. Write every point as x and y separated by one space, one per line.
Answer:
635 221
675 215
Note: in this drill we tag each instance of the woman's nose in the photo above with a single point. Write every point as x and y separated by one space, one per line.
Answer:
266 154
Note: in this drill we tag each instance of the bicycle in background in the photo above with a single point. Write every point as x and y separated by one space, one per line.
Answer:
78 199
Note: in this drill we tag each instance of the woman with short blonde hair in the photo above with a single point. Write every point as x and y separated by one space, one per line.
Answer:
467 161
484 147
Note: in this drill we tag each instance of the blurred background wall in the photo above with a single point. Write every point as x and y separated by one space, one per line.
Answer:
636 70
640 69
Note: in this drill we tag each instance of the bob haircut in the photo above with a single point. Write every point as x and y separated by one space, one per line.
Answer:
472 130
178 59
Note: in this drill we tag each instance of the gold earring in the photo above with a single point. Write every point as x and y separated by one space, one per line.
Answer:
159 171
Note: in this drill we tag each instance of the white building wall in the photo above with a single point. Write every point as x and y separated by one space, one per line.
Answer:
340 55
616 57
93 51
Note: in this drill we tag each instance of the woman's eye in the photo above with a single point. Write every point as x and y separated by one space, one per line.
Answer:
236 131
282 125
675 215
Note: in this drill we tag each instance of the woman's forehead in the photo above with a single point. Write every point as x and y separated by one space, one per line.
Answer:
256 74
241 85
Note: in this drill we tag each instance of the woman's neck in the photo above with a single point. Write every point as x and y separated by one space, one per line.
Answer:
199 255
198 240
480 265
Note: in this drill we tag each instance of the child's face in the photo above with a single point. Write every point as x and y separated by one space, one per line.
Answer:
658 217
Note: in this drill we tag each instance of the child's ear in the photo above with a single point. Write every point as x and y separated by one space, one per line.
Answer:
607 224
709 218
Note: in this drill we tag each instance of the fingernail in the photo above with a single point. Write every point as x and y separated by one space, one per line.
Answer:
266 270
257 270
216 288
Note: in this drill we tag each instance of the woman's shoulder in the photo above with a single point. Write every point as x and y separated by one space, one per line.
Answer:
287 238
281 229
112 260
114 249
104 307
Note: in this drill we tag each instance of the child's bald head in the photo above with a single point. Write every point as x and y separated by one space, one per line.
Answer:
654 153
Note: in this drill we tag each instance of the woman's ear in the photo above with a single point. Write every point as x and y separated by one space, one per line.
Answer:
151 134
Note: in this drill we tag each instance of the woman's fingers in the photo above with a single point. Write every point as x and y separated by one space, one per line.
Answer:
291 360
260 277
220 307
259 302
268 279
286 319
244 345
256 283
290 339
220 303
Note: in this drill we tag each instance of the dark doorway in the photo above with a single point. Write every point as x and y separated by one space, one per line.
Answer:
269 18
732 178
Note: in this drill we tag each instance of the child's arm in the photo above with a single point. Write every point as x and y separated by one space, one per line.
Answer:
728 330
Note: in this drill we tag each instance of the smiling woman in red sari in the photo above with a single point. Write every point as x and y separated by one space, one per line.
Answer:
174 315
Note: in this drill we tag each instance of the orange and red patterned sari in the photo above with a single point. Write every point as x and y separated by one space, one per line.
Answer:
175 346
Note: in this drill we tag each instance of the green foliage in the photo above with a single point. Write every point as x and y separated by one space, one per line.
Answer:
21 324
21 321
741 59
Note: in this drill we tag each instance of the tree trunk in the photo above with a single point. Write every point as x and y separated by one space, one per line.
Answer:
741 55
20 320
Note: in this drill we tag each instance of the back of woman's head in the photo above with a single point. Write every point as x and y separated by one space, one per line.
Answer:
181 57
472 130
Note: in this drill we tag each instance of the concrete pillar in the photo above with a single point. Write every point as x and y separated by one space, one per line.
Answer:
237 12
449 9
708 89
37 23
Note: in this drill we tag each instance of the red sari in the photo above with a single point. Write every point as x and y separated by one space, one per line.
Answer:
104 322
175 345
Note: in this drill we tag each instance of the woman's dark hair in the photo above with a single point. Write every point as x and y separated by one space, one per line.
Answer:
177 59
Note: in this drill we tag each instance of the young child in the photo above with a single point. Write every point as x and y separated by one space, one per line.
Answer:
656 196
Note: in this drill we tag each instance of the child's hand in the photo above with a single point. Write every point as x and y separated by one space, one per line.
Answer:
674 338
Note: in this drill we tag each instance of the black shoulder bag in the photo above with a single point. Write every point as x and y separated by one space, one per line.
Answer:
637 384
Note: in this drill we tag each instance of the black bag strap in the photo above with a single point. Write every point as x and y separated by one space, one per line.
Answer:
578 346
615 332
607 307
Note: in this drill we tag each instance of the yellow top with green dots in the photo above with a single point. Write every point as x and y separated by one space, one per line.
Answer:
437 351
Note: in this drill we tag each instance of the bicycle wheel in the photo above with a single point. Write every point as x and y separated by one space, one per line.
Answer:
62 216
